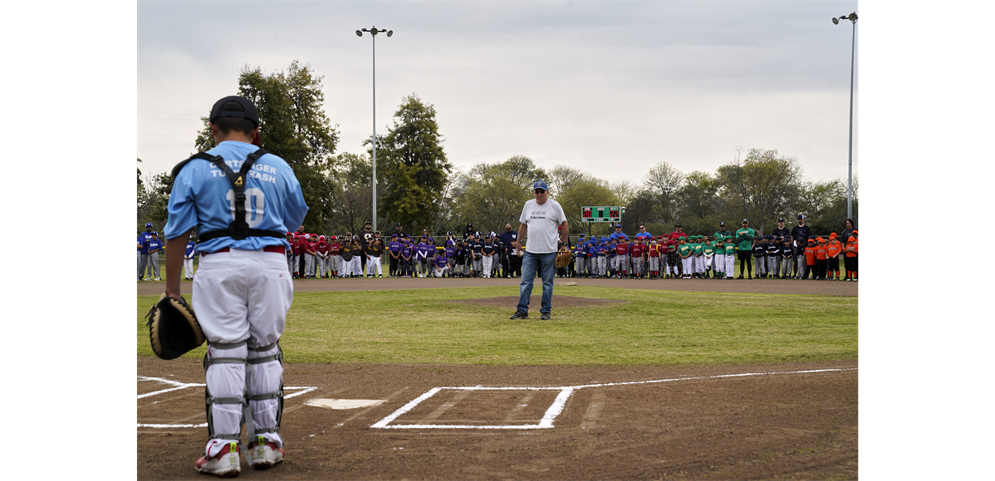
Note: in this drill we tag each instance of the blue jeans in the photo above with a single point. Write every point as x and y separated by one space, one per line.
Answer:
545 265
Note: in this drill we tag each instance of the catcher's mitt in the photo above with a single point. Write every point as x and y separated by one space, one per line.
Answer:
173 328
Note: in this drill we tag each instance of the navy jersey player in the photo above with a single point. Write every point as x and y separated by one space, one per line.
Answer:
242 289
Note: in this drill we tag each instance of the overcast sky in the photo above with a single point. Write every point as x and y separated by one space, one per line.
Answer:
609 88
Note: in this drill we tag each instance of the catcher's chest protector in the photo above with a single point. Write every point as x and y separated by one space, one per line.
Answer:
238 229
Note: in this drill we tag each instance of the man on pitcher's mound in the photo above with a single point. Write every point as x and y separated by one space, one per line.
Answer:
546 224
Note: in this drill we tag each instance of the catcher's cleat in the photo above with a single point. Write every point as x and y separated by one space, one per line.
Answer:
225 464
264 455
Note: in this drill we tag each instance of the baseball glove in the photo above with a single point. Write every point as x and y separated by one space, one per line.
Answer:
562 259
173 328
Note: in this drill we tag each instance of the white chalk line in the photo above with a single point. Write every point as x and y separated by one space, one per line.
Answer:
180 385
558 404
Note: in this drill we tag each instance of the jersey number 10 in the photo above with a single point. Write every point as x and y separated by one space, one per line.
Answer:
254 202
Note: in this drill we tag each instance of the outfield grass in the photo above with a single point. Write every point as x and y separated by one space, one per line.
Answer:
419 326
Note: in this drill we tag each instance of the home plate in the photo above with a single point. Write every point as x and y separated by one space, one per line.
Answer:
343 403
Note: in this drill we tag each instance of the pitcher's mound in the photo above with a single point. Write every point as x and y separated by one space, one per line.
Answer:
536 301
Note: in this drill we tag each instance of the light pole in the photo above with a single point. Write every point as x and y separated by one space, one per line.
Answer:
853 46
359 33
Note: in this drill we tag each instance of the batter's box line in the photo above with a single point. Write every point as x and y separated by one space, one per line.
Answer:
558 404
181 385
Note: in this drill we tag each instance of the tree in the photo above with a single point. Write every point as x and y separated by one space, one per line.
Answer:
352 198
698 205
138 177
415 170
153 199
293 126
761 187
643 209
561 177
518 169
493 194
586 191
824 204
663 180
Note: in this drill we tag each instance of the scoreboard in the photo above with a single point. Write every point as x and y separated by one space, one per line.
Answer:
611 213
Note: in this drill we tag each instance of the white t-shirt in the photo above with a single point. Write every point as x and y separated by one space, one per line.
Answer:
542 221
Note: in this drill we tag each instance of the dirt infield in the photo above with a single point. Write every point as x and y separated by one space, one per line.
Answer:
783 421
789 425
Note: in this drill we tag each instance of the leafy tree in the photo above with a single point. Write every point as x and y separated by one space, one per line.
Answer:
643 209
824 204
153 200
699 208
352 197
293 126
663 180
495 193
451 217
138 177
761 187
624 190
415 170
562 176
586 191
518 169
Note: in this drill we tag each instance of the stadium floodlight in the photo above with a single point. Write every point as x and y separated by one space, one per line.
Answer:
853 45
359 33
373 32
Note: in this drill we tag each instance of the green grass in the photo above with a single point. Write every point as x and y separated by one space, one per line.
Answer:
419 326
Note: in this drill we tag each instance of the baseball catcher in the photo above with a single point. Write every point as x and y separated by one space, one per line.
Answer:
173 328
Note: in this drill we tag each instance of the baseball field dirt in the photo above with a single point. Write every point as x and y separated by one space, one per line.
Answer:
773 421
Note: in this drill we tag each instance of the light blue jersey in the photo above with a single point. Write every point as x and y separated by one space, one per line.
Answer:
203 198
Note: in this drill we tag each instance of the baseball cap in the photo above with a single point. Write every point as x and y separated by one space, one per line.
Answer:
249 113
746 220
780 219
855 233
722 223
618 226
148 224
540 185
678 225
334 238
397 224
800 217
321 237
155 232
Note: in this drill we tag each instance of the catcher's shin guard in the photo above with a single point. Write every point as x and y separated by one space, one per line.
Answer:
264 385
225 387
258 371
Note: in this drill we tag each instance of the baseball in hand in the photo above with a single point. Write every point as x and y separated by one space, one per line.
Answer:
520 252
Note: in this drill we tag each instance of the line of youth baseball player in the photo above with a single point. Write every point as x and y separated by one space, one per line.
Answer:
671 256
